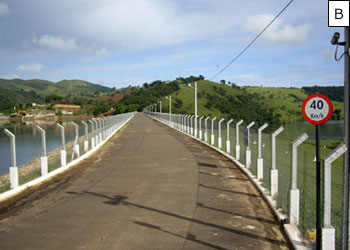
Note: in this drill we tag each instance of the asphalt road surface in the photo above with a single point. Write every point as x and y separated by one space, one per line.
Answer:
150 187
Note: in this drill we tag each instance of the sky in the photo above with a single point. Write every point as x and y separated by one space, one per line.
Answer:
117 43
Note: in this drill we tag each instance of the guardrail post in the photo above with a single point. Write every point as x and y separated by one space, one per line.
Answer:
92 134
43 158
219 138
101 128
294 192
212 131
76 148
274 170
328 231
96 131
248 155
206 129
63 150
238 146
260 160
188 124
200 127
13 167
86 142
191 124
228 143
182 122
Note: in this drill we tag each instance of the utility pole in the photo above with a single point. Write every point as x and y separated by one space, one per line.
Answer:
345 218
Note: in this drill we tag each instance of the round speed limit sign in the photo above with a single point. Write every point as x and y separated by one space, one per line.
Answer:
317 109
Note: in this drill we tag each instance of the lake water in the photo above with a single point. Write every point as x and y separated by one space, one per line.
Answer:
28 140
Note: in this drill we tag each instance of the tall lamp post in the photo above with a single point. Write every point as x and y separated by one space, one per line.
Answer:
195 107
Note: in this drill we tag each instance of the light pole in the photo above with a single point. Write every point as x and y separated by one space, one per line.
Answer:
160 106
195 107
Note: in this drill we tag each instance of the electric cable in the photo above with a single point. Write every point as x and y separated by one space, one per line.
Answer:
261 32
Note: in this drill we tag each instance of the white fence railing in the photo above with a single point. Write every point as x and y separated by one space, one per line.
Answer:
283 176
99 131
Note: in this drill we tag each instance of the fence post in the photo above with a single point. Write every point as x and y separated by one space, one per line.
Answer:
191 124
260 160
212 131
43 158
328 231
63 150
294 192
248 155
219 138
76 148
206 129
228 143
238 147
96 131
101 129
200 127
92 134
274 170
86 142
13 167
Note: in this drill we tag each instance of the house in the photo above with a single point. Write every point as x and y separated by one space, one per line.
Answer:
66 109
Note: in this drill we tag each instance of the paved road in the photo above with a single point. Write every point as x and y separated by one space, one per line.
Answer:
150 187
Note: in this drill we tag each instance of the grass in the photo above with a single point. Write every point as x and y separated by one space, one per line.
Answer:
285 102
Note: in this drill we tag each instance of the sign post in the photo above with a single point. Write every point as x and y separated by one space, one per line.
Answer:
317 109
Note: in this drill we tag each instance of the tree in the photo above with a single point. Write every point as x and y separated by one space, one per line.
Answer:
223 81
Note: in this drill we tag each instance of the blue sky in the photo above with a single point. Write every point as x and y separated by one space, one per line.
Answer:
118 43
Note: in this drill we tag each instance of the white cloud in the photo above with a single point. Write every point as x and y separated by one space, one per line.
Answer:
57 43
31 67
278 31
178 57
102 52
4 9
10 76
87 60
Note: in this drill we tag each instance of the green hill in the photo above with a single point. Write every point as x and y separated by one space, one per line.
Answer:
272 105
17 91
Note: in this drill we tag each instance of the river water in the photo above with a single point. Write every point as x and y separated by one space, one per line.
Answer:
28 140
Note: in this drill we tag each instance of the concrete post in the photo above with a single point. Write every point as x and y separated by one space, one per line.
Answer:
96 131
274 170
248 159
13 167
92 134
294 192
260 160
220 139
76 141
328 231
86 142
212 131
43 158
63 151
206 129
228 143
238 147
101 129
200 127
191 123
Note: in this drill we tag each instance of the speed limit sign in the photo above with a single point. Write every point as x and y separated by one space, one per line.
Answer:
317 109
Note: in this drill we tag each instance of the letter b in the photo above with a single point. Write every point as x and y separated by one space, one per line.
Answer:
338 14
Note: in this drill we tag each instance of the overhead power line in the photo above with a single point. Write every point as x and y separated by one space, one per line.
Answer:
261 32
